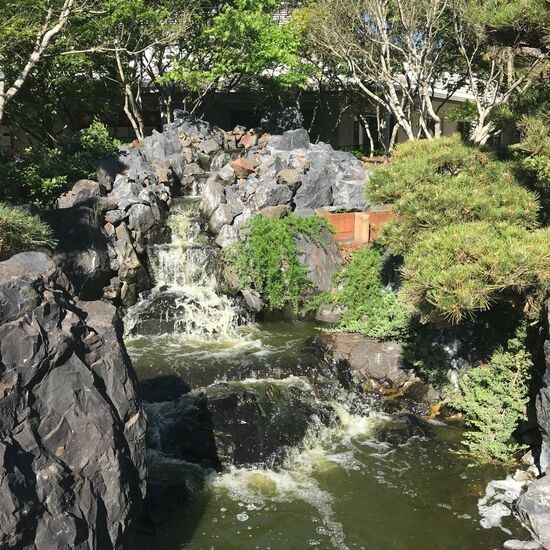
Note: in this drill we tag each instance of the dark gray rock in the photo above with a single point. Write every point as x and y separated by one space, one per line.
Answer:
277 122
252 300
228 235
316 188
159 146
359 357
136 166
164 388
293 139
83 191
141 218
322 260
272 195
82 249
223 215
106 171
258 424
72 433
349 195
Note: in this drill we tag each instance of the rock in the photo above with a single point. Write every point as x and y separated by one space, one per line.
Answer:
271 195
277 122
533 507
349 195
106 172
228 235
213 196
252 300
208 146
136 167
328 314
275 212
514 544
115 216
223 215
322 260
358 357
248 140
293 139
82 192
82 249
543 398
141 218
168 387
258 424
402 428
316 188
72 454
126 190
227 174
159 146
242 168
289 176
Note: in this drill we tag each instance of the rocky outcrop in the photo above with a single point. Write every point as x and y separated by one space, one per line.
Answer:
280 174
72 433
232 424
533 505
371 364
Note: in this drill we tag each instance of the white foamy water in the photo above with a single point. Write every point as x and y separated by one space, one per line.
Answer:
497 502
185 300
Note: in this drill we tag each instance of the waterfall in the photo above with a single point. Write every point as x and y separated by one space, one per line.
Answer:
185 299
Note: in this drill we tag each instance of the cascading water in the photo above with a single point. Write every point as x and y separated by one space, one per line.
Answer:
344 472
185 299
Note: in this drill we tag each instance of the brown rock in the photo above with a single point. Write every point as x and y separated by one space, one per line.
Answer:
248 140
290 177
275 212
242 168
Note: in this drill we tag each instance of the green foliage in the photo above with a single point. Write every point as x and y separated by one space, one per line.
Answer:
244 45
426 354
369 308
441 182
494 399
20 230
466 111
533 157
457 270
40 175
268 258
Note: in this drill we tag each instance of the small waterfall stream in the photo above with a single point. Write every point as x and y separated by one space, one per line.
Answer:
185 299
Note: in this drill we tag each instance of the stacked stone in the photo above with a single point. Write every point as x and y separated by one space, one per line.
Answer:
278 175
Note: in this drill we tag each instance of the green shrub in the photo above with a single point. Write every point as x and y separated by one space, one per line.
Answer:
369 308
268 258
20 230
533 158
458 270
40 175
436 183
494 398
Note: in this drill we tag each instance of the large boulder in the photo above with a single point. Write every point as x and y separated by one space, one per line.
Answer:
358 357
322 260
82 249
533 507
72 455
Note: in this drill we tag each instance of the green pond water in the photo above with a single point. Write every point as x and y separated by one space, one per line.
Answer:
342 489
